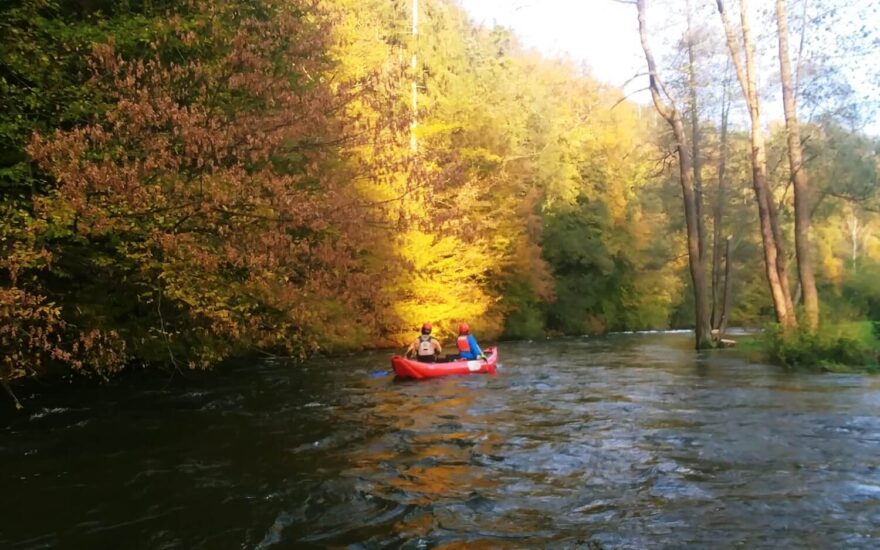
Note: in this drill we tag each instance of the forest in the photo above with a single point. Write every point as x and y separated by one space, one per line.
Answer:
183 182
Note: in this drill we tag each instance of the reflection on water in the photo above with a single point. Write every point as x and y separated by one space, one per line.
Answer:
631 441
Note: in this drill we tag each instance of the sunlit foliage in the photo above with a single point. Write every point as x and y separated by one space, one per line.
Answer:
187 181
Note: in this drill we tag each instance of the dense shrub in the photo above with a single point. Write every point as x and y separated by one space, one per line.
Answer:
833 347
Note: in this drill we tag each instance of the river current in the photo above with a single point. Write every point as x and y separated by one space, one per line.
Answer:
627 441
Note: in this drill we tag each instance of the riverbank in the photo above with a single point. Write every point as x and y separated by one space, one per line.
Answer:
841 348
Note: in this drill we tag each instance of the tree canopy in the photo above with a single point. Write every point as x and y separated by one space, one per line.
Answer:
183 182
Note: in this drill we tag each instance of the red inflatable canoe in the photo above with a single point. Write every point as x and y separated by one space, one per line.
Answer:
409 368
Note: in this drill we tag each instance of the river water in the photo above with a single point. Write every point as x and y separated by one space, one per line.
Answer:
631 441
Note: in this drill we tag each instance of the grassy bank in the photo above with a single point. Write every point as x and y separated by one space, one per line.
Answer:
841 347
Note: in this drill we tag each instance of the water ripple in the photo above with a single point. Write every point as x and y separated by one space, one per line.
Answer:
631 441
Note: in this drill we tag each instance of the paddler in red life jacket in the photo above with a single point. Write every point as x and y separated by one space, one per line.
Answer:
426 347
468 348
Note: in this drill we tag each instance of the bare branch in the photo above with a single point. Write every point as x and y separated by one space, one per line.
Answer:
860 201
633 77
626 96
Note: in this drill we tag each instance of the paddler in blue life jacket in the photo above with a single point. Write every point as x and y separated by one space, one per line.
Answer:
468 348
426 348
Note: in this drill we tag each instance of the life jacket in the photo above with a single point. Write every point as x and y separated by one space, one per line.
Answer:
426 346
464 344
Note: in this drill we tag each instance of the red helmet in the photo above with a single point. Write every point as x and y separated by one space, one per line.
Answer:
463 328
426 328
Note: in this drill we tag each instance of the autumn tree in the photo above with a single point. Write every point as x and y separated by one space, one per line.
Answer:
183 182
798 176
775 260
668 109
721 247
214 187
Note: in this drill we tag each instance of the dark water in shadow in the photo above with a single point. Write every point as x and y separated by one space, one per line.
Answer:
622 442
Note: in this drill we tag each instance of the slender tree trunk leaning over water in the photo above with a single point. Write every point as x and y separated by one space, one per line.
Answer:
798 178
774 253
673 117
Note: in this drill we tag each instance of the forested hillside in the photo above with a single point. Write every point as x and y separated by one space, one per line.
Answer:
184 182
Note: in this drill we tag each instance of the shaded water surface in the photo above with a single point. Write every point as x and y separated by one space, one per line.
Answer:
621 442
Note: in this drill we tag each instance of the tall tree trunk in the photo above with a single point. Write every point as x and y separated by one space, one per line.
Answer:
789 320
414 65
855 245
774 256
798 177
853 225
782 254
695 135
673 117
718 210
728 291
